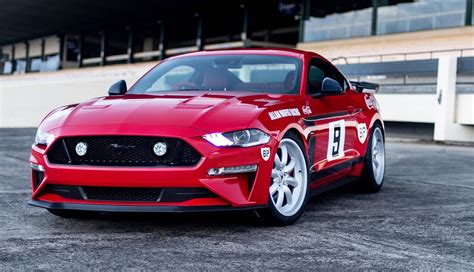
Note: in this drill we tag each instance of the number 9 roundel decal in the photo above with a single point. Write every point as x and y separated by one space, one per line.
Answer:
337 133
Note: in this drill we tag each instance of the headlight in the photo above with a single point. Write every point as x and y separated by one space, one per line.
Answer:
243 138
43 138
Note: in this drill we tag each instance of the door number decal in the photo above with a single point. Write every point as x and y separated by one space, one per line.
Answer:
337 135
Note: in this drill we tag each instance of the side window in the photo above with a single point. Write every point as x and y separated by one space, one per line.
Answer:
338 77
315 79
318 70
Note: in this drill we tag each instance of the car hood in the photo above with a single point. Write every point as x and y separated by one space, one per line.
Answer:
204 111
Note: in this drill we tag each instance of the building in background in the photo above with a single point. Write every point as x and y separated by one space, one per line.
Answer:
397 43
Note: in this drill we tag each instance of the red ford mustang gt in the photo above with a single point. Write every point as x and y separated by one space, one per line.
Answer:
259 129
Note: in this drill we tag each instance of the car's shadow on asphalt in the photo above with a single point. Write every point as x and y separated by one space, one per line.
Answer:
216 220
177 219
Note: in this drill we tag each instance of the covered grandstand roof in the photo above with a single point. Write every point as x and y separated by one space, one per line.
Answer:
22 20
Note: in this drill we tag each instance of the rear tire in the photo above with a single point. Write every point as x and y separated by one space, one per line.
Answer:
374 162
289 187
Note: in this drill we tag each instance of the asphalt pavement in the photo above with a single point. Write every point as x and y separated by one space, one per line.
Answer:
422 219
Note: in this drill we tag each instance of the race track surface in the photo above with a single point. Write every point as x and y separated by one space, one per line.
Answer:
422 219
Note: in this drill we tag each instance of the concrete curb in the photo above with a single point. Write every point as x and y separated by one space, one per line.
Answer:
427 141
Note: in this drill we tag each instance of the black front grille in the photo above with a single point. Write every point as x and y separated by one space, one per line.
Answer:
123 151
135 194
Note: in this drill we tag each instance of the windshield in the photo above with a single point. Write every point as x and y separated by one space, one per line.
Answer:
252 73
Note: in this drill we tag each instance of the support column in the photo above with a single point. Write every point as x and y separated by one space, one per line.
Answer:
62 50
244 36
161 46
13 59
43 43
267 35
27 57
375 4
446 128
103 45
305 7
199 37
130 45
469 12
80 50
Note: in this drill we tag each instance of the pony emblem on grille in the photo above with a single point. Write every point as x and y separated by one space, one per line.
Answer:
121 149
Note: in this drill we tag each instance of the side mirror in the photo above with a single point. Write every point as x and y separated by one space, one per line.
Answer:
118 88
330 86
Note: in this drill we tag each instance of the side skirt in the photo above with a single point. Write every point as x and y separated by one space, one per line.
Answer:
332 170
334 185
335 169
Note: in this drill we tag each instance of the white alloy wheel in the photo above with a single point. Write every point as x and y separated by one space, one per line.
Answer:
378 156
289 177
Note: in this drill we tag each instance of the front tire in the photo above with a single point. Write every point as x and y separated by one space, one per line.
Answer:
289 187
374 162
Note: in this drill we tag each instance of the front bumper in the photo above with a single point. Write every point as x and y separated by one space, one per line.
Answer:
231 191
138 209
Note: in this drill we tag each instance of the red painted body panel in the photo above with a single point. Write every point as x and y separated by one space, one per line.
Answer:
190 115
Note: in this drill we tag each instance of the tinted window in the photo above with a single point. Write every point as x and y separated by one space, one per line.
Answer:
253 73
318 70
315 79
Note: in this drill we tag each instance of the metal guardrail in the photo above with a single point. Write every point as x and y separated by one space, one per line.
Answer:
419 74
390 68
430 66
404 55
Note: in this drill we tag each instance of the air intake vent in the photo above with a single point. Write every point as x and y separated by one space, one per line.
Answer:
127 194
122 194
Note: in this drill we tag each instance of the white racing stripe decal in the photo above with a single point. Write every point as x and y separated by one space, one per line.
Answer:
274 115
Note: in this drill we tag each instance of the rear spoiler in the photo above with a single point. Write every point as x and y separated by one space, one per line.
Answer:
365 87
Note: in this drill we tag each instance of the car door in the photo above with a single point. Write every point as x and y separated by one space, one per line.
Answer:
330 123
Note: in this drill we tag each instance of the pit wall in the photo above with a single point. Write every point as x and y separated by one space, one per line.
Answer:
26 99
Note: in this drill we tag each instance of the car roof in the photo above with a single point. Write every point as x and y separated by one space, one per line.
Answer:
251 51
